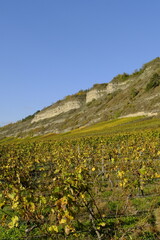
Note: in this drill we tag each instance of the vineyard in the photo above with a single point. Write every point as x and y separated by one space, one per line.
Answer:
95 187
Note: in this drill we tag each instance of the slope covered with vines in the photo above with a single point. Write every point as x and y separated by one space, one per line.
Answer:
95 187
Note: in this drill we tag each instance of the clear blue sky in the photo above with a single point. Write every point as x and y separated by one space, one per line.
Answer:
53 48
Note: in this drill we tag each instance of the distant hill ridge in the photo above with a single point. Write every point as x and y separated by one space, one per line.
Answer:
125 95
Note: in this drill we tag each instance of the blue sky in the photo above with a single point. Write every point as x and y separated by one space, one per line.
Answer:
52 48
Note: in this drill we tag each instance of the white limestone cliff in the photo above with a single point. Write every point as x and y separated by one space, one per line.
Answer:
67 105
94 93
56 110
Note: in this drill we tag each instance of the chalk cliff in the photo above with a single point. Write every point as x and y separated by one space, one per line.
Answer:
56 110
95 93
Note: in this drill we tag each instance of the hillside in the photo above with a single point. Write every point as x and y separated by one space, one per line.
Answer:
137 94
98 178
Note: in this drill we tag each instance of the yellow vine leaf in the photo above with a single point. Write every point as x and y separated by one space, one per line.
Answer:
15 205
32 207
68 229
103 224
63 220
53 228
14 222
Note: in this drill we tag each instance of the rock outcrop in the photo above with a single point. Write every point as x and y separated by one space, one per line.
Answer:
75 103
56 110
95 93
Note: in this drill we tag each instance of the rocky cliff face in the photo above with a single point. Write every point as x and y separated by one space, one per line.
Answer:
56 110
67 105
110 88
